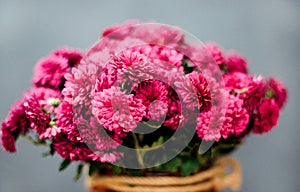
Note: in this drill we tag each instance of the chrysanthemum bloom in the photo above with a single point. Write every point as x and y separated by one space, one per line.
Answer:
80 84
73 56
39 109
234 122
71 151
267 116
50 71
250 89
154 96
84 130
17 122
117 111
236 63
216 52
174 115
14 124
194 91
276 89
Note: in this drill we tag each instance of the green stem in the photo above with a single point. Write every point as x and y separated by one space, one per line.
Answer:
151 126
138 151
35 142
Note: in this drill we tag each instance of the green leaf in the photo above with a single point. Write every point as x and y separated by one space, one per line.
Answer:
188 67
94 167
173 165
117 170
189 165
64 164
79 172
158 142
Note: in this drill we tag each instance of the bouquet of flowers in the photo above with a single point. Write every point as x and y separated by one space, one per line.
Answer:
146 98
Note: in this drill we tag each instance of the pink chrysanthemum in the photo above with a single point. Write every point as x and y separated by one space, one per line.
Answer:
234 123
194 91
117 111
39 106
250 89
216 52
14 124
236 63
278 91
73 56
267 116
71 151
85 131
174 116
154 96
65 120
80 84
39 119
49 72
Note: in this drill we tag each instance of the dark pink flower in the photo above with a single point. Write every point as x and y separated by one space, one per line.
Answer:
267 116
236 63
174 115
8 139
14 124
194 91
117 111
39 107
234 122
278 91
216 52
250 89
80 84
154 96
73 56
50 71
71 151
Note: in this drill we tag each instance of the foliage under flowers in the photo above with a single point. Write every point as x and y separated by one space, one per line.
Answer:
74 101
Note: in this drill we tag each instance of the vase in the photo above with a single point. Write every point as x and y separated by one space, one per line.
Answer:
225 173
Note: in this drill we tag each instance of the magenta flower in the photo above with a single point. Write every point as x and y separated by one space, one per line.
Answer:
279 92
267 116
234 122
49 72
236 63
216 52
117 111
154 96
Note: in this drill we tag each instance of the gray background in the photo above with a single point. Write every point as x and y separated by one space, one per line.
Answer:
267 32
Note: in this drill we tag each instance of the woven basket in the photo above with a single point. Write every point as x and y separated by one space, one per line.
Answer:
225 173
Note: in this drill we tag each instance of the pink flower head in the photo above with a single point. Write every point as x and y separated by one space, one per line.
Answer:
157 34
73 56
250 89
119 31
14 124
234 123
39 106
39 120
154 96
80 84
216 52
174 116
71 151
278 91
49 72
195 87
236 63
117 111
267 116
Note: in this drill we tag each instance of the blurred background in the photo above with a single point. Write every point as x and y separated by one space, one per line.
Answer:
266 32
